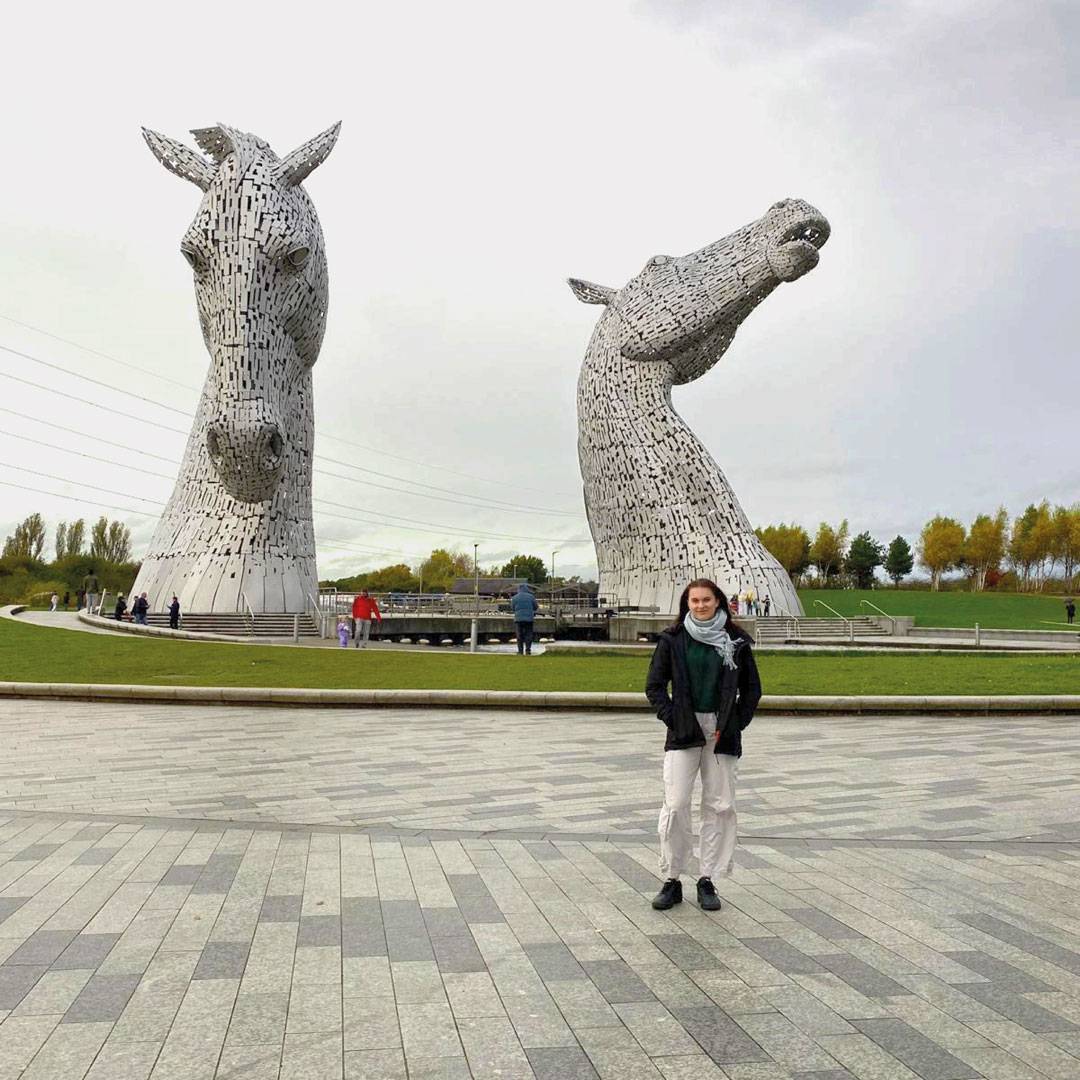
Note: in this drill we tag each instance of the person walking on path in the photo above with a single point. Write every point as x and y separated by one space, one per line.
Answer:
767 603
1070 610
364 607
524 607
343 631
91 587
708 662
121 607
174 614
67 600
53 601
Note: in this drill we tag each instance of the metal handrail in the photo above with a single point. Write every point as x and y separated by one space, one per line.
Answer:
842 618
248 612
320 615
892 621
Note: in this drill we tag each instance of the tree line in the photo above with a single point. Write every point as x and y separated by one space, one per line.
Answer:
437 572
1024 553
26 576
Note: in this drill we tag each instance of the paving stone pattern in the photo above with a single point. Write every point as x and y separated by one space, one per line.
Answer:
142 938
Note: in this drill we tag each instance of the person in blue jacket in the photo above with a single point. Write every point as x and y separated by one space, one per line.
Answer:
524 606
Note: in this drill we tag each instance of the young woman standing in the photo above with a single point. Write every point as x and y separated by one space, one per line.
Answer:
708 663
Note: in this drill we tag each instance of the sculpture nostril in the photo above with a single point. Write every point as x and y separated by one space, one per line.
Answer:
213 443
276 445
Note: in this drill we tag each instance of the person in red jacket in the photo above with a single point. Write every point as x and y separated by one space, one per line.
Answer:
363 608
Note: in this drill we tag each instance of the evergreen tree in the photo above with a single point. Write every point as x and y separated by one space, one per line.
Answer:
900 560
863 557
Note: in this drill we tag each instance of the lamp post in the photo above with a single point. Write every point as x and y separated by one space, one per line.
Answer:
553 554
476 576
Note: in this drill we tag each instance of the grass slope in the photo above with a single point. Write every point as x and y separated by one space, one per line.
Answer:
998 611
43 654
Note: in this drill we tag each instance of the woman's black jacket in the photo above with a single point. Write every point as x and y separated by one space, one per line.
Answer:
737 697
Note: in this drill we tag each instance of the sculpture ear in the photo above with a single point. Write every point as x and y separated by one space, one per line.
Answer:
588 293
298 165
180 159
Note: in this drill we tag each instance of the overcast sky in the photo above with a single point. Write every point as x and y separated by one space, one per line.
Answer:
490 150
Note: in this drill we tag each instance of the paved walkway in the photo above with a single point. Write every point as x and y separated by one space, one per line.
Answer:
243 893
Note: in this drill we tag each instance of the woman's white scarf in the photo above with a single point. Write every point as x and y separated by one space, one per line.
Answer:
713 633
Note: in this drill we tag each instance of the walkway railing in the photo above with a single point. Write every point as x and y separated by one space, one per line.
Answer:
842 618
892 621
318 614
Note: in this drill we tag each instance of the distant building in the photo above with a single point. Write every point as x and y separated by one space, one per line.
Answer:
489 586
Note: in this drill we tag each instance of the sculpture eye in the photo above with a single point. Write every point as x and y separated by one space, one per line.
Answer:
660 260
298 256
194 259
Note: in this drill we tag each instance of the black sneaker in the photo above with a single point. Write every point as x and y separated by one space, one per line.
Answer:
706 895
669 895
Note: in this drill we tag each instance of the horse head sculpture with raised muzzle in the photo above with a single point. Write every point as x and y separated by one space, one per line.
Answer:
237 532
660 509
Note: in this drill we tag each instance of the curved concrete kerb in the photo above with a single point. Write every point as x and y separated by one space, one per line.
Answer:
531 699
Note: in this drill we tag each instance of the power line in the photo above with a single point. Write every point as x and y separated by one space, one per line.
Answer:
97 352
65 480
75 498
87 435
437 498
91 404
334 545
96 382
437 528
335 438
497 504
81 453
490 504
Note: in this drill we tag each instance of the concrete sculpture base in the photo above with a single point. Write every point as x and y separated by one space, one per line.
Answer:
659 507
237 532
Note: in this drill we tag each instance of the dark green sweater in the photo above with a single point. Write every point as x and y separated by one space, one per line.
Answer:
703 663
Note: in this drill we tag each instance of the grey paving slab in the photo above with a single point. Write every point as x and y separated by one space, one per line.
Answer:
916 1051
86 951
102 998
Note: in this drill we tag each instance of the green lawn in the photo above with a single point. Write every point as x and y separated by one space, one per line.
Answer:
1004 611
43 654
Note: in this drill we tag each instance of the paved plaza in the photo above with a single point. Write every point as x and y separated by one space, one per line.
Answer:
193 892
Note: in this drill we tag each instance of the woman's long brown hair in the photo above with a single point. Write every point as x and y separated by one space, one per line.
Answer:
722 601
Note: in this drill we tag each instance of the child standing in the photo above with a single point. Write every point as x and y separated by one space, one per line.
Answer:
343 632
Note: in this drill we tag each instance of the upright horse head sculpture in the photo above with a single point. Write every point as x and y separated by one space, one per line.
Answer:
659 507
237 531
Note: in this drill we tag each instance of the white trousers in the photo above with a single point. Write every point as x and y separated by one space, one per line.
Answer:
716 853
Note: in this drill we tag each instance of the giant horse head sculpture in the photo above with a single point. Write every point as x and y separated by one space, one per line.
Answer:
660 509
237 533
256 250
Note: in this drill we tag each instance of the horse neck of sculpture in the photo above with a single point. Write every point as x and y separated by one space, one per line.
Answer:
629 428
